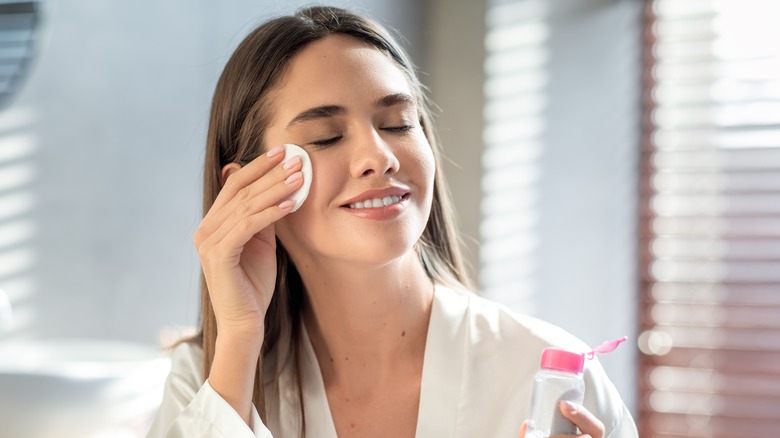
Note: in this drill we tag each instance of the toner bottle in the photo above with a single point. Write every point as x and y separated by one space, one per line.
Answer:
559 378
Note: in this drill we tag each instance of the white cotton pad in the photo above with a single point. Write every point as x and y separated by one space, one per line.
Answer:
292 150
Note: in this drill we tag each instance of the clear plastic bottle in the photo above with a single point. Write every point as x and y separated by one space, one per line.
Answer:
559 378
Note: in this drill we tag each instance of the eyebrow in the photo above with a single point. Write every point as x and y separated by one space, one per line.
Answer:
327 111
394 99
319 112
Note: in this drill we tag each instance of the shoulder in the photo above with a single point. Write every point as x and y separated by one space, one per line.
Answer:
496 342
493 323
503 353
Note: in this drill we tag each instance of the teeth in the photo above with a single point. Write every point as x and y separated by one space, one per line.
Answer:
377 202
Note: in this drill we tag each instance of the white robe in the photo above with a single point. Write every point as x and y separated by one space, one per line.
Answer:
478 372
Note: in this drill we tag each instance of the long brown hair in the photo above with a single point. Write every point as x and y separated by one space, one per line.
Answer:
240 113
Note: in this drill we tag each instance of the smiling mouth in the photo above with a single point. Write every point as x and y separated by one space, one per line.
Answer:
377 202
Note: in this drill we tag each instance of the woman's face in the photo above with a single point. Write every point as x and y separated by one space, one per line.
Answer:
353 110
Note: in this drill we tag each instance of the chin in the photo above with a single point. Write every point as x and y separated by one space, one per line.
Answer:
347 243
374 250
366 253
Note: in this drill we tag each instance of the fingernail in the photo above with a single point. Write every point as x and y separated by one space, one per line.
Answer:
275 151
292 162
294 177
287 204
569 406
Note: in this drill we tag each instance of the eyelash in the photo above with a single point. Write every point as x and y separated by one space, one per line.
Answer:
393 129
326 142
399 129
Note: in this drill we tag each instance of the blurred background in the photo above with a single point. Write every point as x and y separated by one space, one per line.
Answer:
615 165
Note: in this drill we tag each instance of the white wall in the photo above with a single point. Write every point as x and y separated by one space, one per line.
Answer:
589 189
107 136
453 70
580 208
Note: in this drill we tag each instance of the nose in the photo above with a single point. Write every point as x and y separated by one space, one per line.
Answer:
373 156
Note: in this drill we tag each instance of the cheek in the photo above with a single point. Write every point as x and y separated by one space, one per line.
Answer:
326 178
430 165
424 163
321 194
295 230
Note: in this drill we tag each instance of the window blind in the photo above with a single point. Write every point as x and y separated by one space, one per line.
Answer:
515 95
17 37
710 327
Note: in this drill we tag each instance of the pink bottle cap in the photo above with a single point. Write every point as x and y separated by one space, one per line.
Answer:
562 360
569 361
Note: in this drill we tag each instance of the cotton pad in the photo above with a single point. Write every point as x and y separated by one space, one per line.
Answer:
291 150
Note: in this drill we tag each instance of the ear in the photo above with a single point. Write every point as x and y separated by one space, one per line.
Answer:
227 171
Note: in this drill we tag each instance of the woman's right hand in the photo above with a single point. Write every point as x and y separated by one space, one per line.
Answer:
237 248
237 244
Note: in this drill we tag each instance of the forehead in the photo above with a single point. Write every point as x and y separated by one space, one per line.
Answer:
338 70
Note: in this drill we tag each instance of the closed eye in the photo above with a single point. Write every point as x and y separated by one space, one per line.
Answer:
327 141
402 128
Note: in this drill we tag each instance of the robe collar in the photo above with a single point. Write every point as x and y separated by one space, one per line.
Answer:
446 350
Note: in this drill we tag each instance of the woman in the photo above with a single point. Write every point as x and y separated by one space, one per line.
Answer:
348 317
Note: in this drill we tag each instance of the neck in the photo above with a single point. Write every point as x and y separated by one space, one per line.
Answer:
372 319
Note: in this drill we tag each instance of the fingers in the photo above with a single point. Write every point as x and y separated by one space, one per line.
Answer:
247 216
251 199
248 174
589 425
234 234
246 184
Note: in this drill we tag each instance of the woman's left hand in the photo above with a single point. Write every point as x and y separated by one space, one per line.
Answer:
589 425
